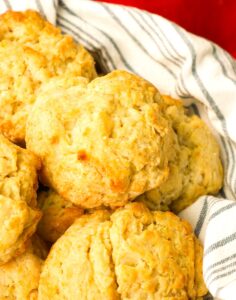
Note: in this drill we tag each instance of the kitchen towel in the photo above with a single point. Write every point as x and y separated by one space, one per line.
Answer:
182 65
212 19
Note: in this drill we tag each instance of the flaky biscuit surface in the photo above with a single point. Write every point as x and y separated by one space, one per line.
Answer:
62 53
18 213
79 265
22 71
153 254
58 215
130 254
31 51
104 142
19 278
196 168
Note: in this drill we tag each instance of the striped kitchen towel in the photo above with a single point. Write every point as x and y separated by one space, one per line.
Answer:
184 66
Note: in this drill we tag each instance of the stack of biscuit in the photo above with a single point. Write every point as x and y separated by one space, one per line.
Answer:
114 161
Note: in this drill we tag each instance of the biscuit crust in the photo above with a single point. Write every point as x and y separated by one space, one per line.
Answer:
19 278
131 254
63 55
88 251
31 51
18 212
103 142
58 215
22 71
196 167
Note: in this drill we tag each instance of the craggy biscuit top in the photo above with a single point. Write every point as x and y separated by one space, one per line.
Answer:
154 255
22 71
31 51
86 248
58 215
63 55
18 213
105 142
195 170
132 254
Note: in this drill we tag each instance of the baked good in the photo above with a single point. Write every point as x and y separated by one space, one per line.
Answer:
155 253
103 142
31 51
76 245
132 254
22 71
63 55
196 167
18 212
58 215
19 278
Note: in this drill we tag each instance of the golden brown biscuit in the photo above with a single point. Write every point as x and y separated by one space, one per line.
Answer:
63 55
155 251
31 51
105 142
86 248
22 71
132 254
58 215
19 278
196 168
18 213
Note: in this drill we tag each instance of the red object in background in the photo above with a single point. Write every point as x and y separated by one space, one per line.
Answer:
212 19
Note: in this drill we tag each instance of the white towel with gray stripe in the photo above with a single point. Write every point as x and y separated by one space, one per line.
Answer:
185 66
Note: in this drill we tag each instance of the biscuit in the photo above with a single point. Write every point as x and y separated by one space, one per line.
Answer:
86 248
22 71
18 213
58 215
103 142
155 251
31 51
132 254
196 168
19 278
